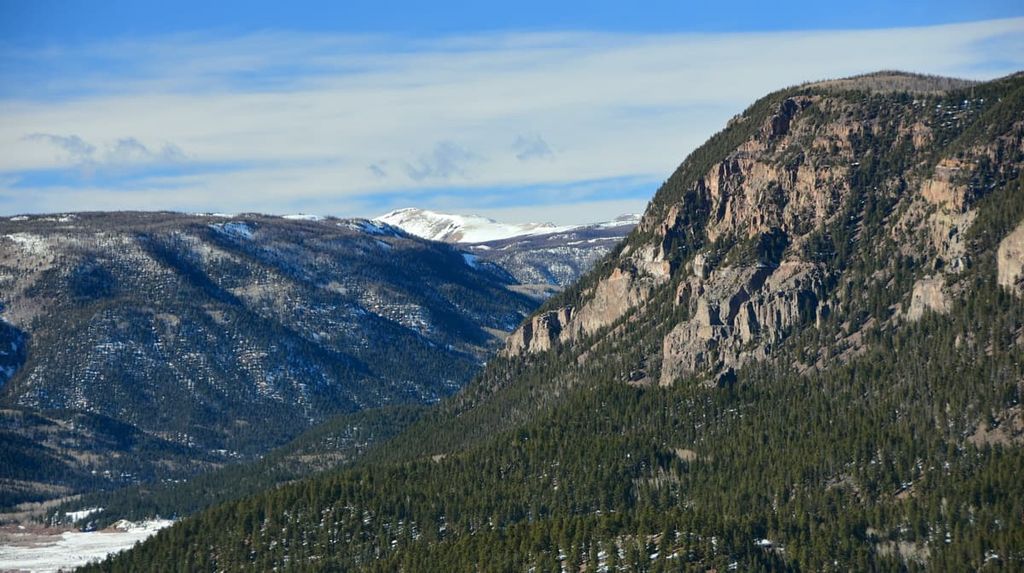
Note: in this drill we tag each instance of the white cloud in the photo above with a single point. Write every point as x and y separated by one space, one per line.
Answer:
329 122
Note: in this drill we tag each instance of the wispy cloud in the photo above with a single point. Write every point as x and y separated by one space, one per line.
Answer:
121 152
76 148
533 146
352 125
445 161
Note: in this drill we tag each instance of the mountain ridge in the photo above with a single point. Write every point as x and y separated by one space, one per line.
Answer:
452 228
232 333
640 426
541 256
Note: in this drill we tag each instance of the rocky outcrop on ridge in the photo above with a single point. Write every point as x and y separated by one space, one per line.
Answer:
775 230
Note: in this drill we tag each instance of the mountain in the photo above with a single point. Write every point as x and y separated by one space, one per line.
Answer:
541 256
807 356
554 260
460 228
216 338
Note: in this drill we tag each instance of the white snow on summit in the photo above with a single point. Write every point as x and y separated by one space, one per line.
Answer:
460 228
452 228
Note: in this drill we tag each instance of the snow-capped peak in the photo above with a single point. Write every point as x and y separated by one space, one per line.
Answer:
452 228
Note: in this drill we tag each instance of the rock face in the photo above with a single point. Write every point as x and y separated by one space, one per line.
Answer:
540 332
787 220
609 300
740 313
943 189
1010 260
737 309
927 295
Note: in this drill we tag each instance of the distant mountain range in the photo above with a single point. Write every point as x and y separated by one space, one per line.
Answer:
543 257
451 228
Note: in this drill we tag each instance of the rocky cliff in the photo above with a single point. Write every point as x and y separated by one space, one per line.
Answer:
816 202
1010 257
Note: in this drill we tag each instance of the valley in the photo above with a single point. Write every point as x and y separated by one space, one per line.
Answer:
146 349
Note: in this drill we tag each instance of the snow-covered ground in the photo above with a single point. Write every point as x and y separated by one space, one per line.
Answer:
236 229
34 244
45 553
77 515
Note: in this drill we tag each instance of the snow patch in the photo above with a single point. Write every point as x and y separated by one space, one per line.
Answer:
238 230
303 217
71 549
77 515
470 260
29 242
369 227
628 219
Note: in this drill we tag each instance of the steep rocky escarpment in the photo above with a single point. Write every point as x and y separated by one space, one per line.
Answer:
740 313
815 204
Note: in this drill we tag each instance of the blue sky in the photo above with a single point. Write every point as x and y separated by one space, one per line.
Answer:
77 21
524 111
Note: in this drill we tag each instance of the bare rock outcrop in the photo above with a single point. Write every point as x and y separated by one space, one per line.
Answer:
761 223
628 286
741 313
928 294
762 185
1003 428
623 290
740 310
539 333
1010 260
944 188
